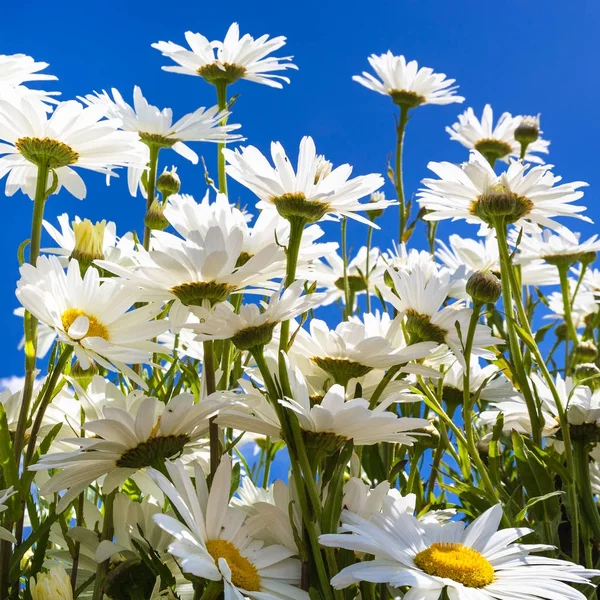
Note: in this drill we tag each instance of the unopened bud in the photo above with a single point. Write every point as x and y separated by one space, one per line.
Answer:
587 374
54 585
155 217
484 287
83 376
89 242
168 183
561 331
585 352
130 579
528 130
377 212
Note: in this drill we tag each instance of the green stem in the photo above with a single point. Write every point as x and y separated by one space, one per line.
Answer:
368 266
107 534
508 281
400 129
154 150
208 374
222 102
348 309
568 316
224 382
584 486
385 380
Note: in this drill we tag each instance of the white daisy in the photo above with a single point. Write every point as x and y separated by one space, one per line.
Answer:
72 136
584 304
521 195
253 327
125 440
92 316
17 69
156 128
477 562
427 319
494 142
203 267
406 84
313 192
119 249
232 59
213 541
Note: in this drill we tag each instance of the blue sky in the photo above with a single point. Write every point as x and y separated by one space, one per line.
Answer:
520 56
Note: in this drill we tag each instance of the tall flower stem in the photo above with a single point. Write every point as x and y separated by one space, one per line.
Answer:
508 278
348 310
368 266
107 534
584 486
30 323
563 272
208 375
508 272
236 302
400 129
221 86
151 189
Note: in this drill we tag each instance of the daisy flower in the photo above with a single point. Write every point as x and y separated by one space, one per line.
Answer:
72 136
86 241
584 304
422 300
212 539
471 562
253 327
55 584
313 192
144 433
521 195
203 267
232 59
155 127
17 69
406 84
495 142
351 350
91 315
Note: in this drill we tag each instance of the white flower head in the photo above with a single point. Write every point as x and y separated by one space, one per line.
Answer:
232 59
406 83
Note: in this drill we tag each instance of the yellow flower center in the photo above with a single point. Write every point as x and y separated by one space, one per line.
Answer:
95 329
457 562
244 574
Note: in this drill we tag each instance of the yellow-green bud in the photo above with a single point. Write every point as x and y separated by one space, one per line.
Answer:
376 213
89 242
528 130
168 183
83 376
155 217
484 287
54 585
587 374
585 352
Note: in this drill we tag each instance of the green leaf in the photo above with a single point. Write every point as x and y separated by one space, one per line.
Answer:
532 501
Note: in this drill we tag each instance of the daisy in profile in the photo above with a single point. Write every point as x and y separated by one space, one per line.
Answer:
523 195
125 440
213 541
18 69
156 128
91 315
71 136
232 59
253 326
471 562
406 84
422 300
204 267
495 142
314 191
87 241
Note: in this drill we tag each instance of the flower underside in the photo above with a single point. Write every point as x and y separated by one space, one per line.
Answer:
227 73
153 452
253 337
46 151
422 329
407 99
501 204
296 205
341 369
196 292
95 328
493 149
244 574
457 562
156 139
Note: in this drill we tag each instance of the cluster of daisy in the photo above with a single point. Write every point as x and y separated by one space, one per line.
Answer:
450 408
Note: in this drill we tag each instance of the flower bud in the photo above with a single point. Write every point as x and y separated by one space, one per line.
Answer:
528 130
130 580
168 183
585 352
561 331
53 585
376 213
155 217
83 376
89 242
484 287
587 374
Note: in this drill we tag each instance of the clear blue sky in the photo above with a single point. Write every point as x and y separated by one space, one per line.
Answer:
524 57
